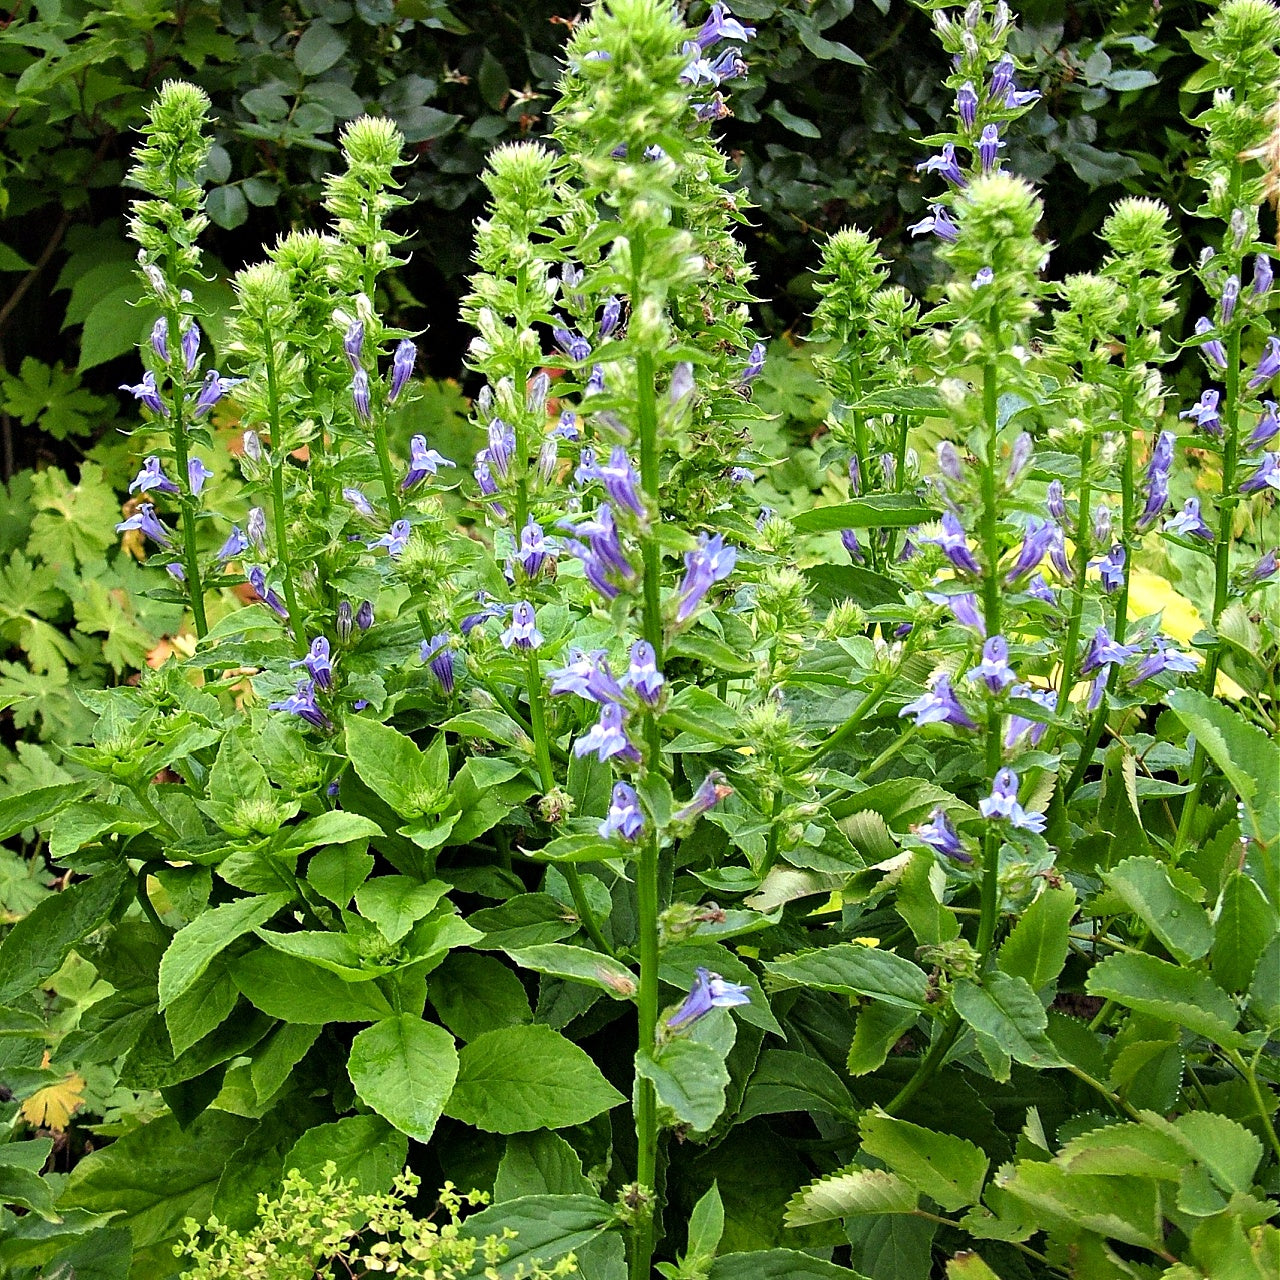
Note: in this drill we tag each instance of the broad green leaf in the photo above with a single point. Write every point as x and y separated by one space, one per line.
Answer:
477 993
365 1148
520 1078
690 1078
297 991
1247 757
38 944
526 920
195 946
1246 923
1225 1147
919 900
158 1175
878 1028
408 779
319 47
788 1081
337 827
777 1264
969 1266
25 1189
27 808
876 511
578 964
338 871
546 1227
852 970
396 903
404 1069
1163 990
1264 991
948 1169
706 1223
851 1192
202 1007
275 1057
1006 1010
540 1163
1125 1150
1036 948
1177 920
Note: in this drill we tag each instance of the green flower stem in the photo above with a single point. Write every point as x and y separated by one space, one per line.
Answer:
1249 1070
1221 577
144 898
277 490
1081 568
868 704
870 770
860 448
1128 535
389 488
929 1064
186 499
903 424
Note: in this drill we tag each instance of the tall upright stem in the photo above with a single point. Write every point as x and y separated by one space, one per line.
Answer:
1081 567
277 490
1127 514
186 499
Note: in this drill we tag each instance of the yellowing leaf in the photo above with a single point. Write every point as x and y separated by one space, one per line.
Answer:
53 1106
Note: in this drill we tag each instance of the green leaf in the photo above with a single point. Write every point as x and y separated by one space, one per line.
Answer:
76 523
477 993
527 920
26 1189
706 1224
158 1175
338 871
578 964
337 827
408 779
319 48
1006 1010
876 511
404 1069
690 1078
788 1081
1264 991
942 1166
527 1077
396 903
365 1148
36 946
1036 948
536 1164
777 1264
28 808
852 970
1163 990
1249 759
919 900
851 1192
805 128
547 1228
878 1028
275 1057
1143 885
1246 923
195 946
202 1007
297 991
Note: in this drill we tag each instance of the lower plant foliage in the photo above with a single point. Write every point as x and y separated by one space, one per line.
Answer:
882 884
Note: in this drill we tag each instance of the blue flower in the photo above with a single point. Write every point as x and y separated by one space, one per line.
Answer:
197 474
191 345
1038 537
236 545
256 527
589 676
360 395
1265 429
152 476
1003 803
1262 275
643 675
954 544
364 615
1157 479
147 393
1268 365
608 737
1266 567
402 362
603 559
1188 523
212 389
144 520
939 222
755 364
1111 569
258 581
938 705
719 25
502 447
1104 651
359 501
1212 349
1020 724
939 834
967 104
576 347
849 541
711 561
989 147
963 606
534 550
1055 500
302 702
1163 657
944 163
344 621
317 662
1204 413
1266 476
713 789
625 817
423 462
160 339
994 670
610 317
1230 296
621 481
396 539
353 344
439 657
709 991
522 631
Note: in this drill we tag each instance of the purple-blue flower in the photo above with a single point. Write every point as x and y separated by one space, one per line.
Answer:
719 25
1266 566
967 104
1163 657
534 550
610 316
621 481
256 527
1003 803
236 545
938 705
423 462
191 345
152 476
954 544
439 657
144 520
1019 724
212 389
317 662
1055 500
625 817
502 447
147 393
258 581
1212 349
1265 429
1157 479
603 559
1204 413
755 364
302 703
396 539
643 675
197 474
353 344
984 277
1230 296
709 991
364 615
160 339
522 632
589 676
938 222
1039 589
359 501
595 383
608 737
1268 365
402 361
944 163
963 606
711 791
939 834
574 345
849 540
989 147
1002 77
360 395
1036 540
1267 476
994 670
1189 523
1111 568
344 621
711 561
1262 274
1104 651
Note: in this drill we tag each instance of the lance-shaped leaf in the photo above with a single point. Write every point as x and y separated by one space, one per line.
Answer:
942 1166
1149 985
1181 924
850 1193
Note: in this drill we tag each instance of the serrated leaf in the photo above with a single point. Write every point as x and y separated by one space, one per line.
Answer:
547 1228
1143 885
1163 990
1007 1011
852 970
850 1193
1246 923
1036 948
365 1148
477 993
404 1068
396 903
942 1166
74 523
297 991
690 1078
53 1106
